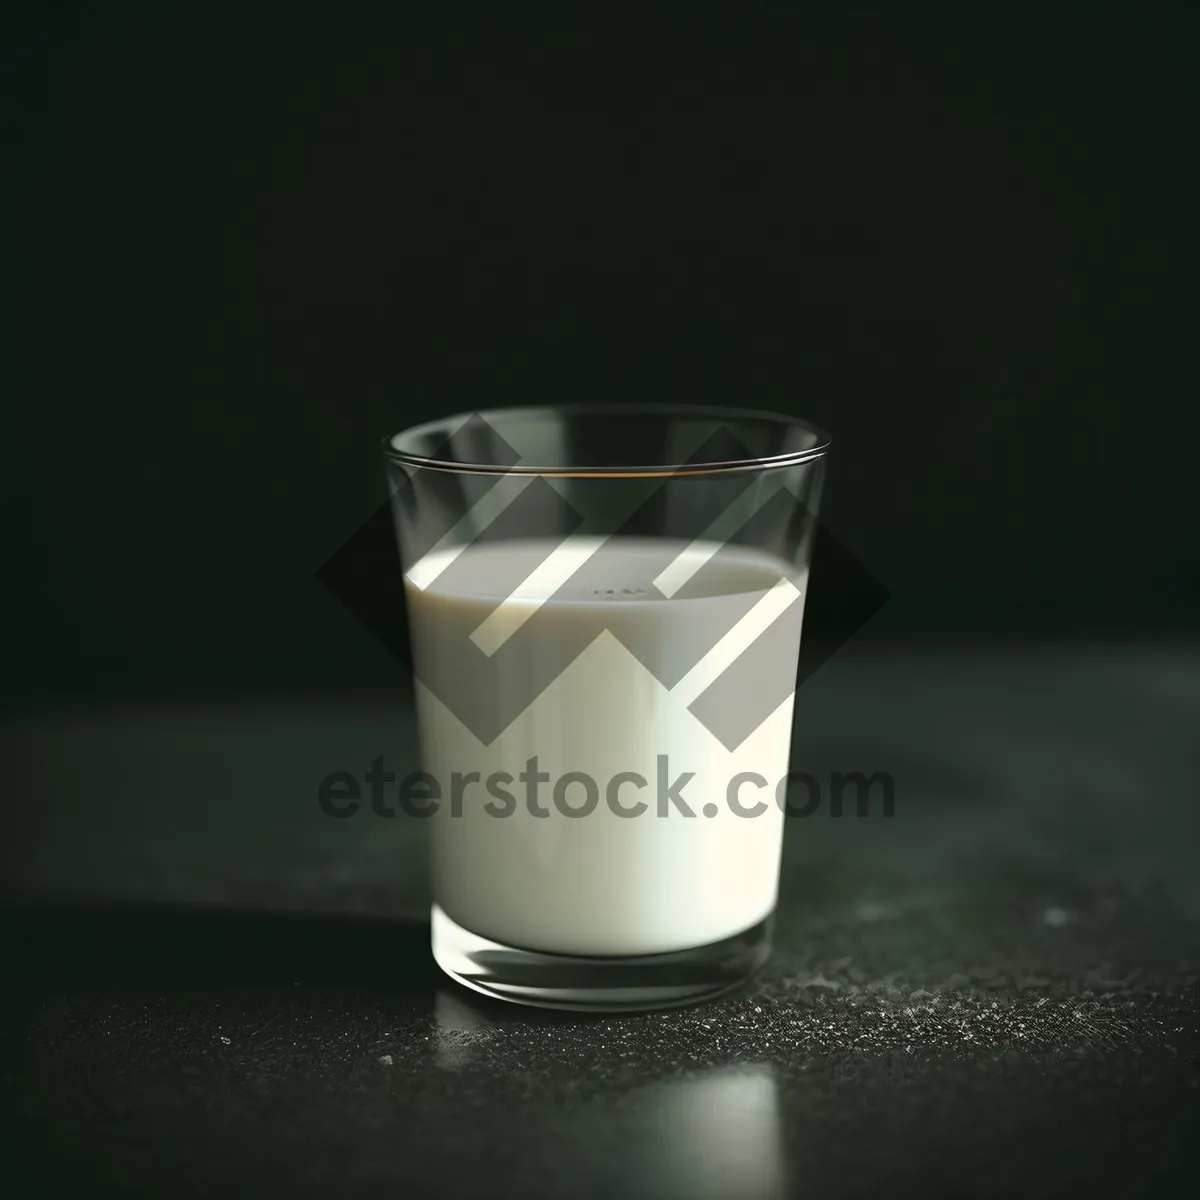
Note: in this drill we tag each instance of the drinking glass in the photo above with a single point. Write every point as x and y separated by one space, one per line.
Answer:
605 606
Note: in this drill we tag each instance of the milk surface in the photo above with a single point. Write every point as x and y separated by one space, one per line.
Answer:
489 625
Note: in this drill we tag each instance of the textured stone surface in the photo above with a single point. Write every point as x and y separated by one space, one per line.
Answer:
993 992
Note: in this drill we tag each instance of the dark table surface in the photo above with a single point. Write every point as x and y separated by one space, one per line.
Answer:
213 984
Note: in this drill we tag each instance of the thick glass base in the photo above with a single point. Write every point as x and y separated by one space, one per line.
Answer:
583 984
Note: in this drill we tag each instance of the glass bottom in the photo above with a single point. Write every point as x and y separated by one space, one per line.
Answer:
583 984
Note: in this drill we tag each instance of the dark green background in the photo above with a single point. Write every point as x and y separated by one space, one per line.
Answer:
248 244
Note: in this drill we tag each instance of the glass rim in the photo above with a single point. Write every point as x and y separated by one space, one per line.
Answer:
660 409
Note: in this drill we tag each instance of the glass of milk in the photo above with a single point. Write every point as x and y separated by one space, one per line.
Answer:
604 608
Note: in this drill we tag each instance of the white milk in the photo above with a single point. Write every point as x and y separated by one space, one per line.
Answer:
602 883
